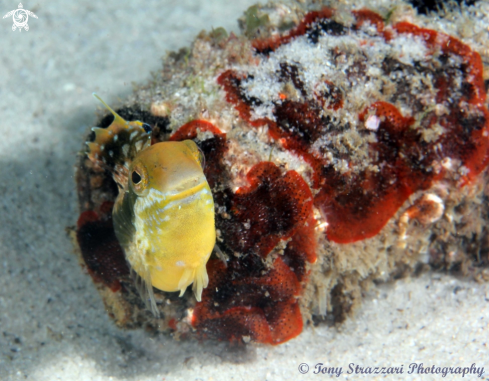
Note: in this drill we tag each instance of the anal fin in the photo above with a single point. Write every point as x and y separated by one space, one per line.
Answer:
201 281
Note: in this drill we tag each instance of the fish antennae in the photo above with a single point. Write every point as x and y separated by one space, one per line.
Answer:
117 117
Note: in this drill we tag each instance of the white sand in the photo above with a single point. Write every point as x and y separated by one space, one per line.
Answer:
52 322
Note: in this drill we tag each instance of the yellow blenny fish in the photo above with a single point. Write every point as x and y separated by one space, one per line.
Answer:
164 213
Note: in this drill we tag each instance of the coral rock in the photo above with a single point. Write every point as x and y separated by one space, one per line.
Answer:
342 146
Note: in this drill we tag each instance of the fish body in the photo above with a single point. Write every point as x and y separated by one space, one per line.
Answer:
164 213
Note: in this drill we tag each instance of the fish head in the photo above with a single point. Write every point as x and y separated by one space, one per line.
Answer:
167 167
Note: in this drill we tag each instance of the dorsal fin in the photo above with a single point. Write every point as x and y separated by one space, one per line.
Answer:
115 147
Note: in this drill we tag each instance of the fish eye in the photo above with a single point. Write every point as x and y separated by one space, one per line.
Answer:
136 177
147 127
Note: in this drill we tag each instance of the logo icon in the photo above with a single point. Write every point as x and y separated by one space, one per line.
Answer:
20 17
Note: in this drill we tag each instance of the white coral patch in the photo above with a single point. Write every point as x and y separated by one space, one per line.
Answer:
409 49
372 123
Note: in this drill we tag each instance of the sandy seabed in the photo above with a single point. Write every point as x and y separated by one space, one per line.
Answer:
52 321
